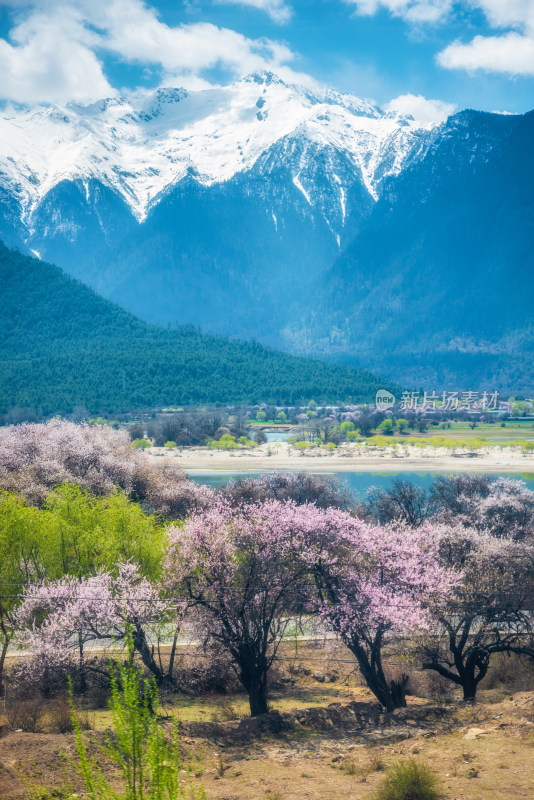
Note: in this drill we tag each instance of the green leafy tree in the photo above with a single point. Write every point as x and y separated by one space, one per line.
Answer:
75 533
141 444
347 426
386 426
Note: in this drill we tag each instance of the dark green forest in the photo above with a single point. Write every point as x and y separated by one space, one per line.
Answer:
63 346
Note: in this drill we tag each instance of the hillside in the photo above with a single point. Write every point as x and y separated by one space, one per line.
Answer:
61 346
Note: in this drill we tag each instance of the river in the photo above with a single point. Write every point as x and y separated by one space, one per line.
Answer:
358 482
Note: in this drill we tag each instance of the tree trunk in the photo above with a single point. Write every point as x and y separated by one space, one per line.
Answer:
390 696
147 654
465 677
257 698
398 691
387 696
254 681
83 673
2 662
170 668
469 686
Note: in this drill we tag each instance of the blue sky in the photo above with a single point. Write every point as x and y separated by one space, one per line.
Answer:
428 54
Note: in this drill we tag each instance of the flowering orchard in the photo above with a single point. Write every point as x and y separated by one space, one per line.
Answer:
84 561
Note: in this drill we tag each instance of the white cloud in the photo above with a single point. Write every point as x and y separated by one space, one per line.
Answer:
511 53
53 50
417 11
507 13
50 58
421 109
278 10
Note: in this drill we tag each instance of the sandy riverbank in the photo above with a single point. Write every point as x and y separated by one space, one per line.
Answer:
352 458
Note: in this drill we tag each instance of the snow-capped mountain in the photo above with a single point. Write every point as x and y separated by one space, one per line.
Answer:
310 220
143 146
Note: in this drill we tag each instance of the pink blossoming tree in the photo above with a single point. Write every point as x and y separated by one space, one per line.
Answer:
373 584
35 458
490 609
502 507
59 618
240 571
247 571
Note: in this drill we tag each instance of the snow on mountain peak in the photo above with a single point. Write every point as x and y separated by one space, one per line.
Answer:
142 145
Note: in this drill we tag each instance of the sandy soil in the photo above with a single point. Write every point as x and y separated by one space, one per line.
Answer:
352 458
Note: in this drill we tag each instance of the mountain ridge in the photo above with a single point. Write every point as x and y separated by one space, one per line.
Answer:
211 134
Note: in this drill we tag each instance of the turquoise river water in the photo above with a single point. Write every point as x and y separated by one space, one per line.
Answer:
358 482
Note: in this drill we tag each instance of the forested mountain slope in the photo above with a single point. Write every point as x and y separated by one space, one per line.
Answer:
61 346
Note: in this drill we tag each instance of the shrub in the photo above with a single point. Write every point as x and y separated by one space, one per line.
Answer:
510 673
226 442
170 445
25 713
60 715
150 767
409 780
207 671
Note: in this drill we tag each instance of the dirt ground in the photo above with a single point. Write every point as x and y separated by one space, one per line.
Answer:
322 741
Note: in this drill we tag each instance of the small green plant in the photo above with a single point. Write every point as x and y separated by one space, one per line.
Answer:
150 767
170 445
409 780
377 763
221 766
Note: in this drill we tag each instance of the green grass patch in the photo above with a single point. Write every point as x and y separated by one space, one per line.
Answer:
409 780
